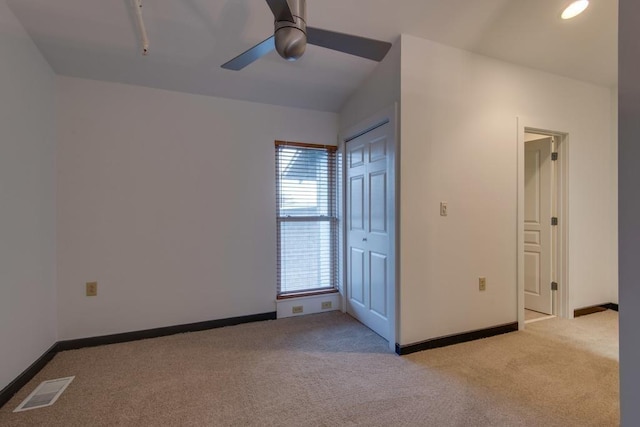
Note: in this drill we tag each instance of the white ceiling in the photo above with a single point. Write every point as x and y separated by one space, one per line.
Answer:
190 39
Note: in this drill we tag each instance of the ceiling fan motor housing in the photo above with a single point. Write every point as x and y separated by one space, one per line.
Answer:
291 37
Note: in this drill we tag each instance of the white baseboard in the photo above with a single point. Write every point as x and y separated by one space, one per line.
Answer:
310 305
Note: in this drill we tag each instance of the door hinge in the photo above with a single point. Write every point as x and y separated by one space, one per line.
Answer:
554 156
554 286
554 220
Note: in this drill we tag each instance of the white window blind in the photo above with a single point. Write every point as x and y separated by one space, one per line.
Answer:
306 217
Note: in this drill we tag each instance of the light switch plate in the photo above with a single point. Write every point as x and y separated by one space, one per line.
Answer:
444 209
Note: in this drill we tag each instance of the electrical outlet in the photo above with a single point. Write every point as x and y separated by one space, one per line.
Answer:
326 305
92 289
482 283
296 309
444 209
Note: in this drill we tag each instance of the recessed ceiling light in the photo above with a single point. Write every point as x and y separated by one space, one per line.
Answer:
575 9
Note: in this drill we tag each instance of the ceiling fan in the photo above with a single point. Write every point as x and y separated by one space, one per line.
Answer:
291 36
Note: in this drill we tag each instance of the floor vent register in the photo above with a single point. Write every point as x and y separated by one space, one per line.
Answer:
45 394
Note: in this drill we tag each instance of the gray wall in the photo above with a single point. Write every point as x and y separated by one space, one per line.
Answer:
167 199
629 209
460 112
27 201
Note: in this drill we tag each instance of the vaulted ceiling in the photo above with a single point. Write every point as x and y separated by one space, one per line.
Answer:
190 39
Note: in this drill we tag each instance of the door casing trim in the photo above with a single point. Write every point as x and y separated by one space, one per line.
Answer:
561 298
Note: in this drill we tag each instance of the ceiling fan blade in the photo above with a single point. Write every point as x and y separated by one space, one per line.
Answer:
372 49
281 10
253 54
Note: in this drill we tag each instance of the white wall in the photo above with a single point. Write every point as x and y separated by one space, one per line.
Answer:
380 90
27 201
168 201
458 121
629 202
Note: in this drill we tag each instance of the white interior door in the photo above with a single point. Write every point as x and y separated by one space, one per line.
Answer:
370 206
537 226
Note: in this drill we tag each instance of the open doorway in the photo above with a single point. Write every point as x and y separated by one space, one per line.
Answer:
543 225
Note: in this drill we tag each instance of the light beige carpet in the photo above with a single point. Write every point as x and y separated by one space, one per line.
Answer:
329 370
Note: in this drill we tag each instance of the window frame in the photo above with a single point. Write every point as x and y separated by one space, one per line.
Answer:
331 217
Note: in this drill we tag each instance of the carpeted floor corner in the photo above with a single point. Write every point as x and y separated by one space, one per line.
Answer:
329 370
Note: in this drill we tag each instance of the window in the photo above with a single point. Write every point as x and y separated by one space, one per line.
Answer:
306 217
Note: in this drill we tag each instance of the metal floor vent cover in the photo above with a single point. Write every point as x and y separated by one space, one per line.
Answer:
45 394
